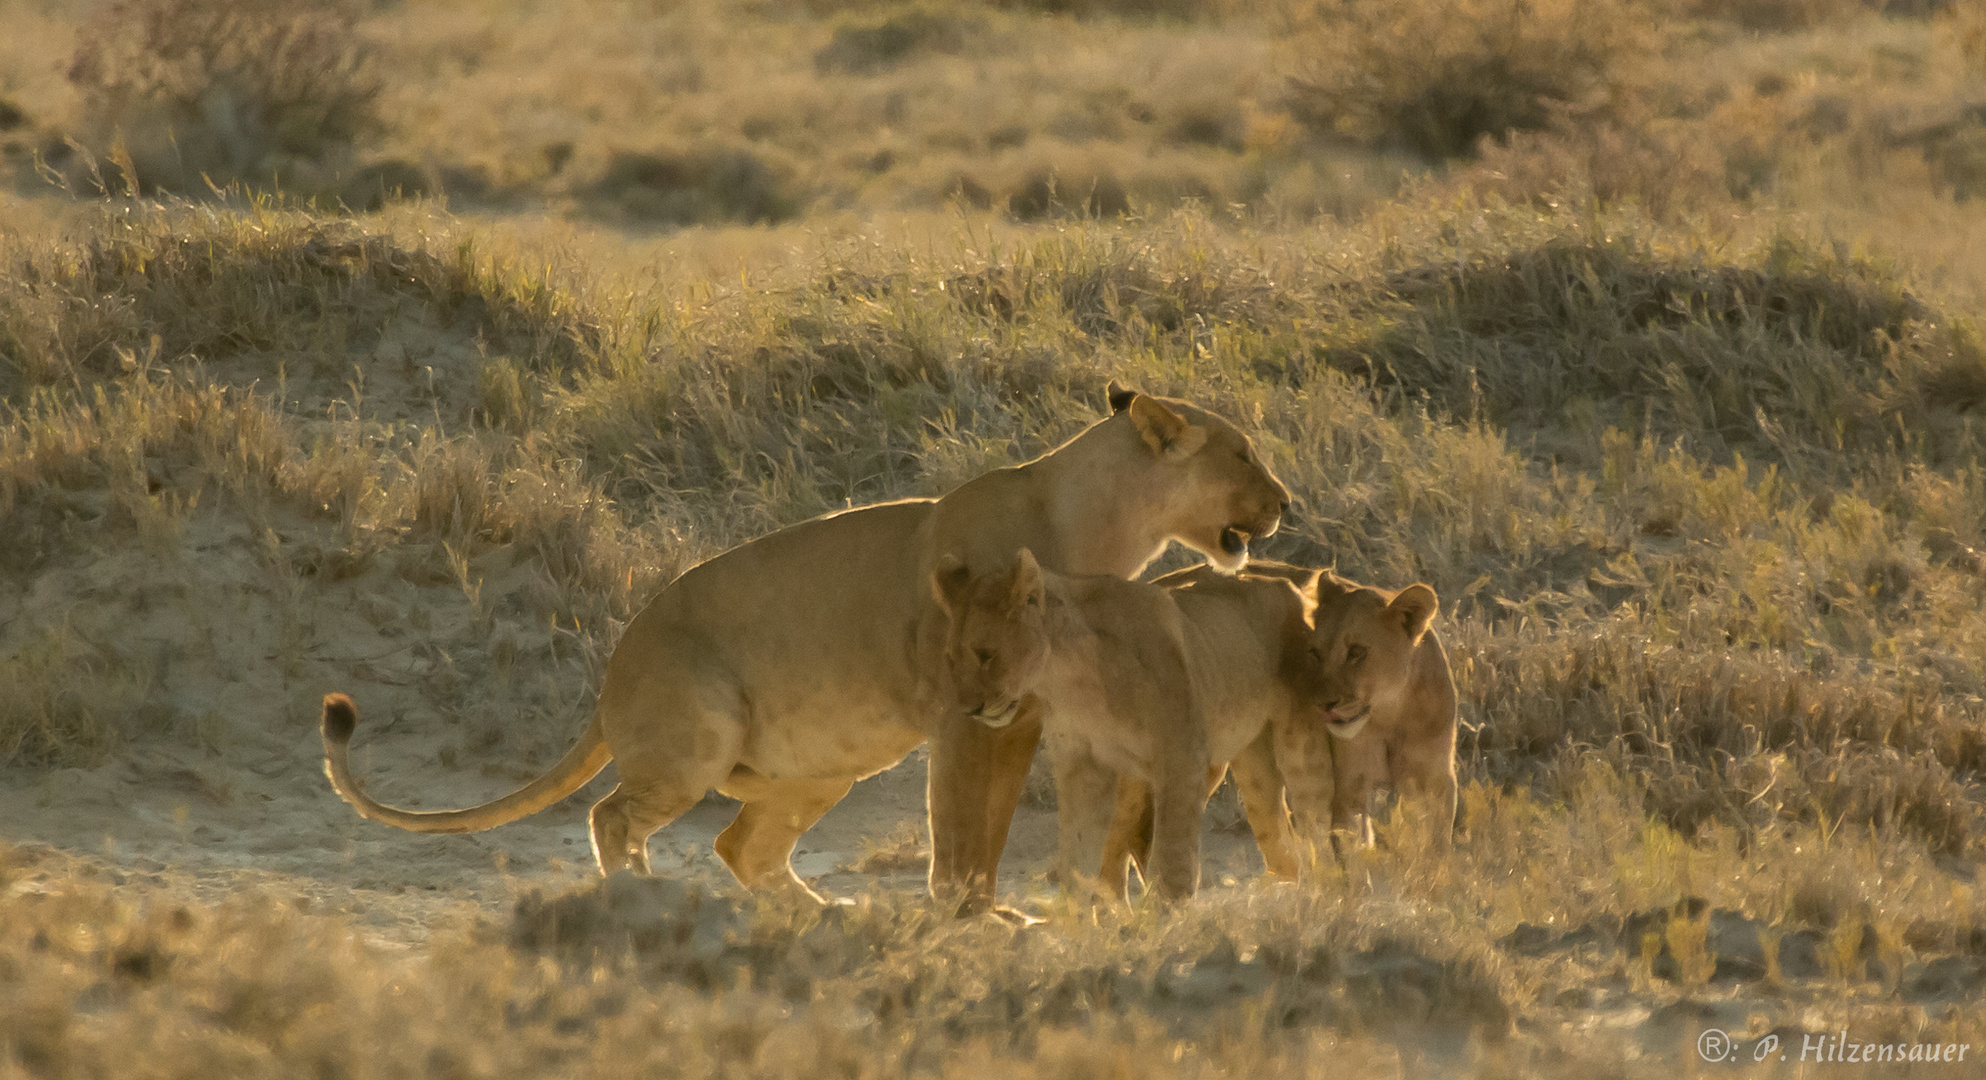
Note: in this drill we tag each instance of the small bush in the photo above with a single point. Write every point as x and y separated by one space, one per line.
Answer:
690 187
1668 170
1964 26
1436 76
1045 193
865 46
391 180
1779 15
178 90
1159 9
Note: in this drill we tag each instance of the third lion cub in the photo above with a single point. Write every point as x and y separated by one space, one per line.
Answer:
1379 678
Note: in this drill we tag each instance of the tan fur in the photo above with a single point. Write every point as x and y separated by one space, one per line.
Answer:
1383 691
787 668
1155 685
1388 717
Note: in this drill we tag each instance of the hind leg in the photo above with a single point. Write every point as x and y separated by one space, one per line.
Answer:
758 844
623 821
676 734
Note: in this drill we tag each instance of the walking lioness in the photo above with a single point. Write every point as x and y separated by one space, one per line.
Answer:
787 668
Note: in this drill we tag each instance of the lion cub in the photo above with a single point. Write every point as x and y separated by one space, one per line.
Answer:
1159 685
1372 703
1383 681
1379 679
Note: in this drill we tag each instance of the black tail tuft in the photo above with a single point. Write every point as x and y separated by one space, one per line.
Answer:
340 718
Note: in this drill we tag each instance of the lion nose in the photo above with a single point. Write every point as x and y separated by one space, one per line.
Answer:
1283 508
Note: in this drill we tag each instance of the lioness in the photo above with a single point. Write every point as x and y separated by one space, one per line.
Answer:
785 669
1155 684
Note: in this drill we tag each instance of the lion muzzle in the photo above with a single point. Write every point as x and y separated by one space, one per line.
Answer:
1347 727
998 718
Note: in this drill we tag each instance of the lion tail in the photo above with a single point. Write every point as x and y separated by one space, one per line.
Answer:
581 763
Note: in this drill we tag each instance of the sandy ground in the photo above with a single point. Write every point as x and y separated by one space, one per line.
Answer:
196 826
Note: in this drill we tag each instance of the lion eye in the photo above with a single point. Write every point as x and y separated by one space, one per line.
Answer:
1354 653
985 656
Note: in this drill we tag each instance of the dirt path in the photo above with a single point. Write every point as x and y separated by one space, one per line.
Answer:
201 826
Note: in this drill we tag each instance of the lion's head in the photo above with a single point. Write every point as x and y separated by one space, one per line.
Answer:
1219 495
996 641
1360 650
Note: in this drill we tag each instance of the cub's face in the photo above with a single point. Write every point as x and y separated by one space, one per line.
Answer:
996 640
1360 651
1218 494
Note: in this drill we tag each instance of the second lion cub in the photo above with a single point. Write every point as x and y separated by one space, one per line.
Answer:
1159 685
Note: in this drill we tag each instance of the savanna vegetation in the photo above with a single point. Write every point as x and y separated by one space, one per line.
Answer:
1643 330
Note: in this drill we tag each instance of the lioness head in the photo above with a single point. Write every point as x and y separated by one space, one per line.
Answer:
1218 494
997 639
1360 650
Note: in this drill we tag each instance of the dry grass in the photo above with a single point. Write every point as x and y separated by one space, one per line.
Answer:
1674 400
184 93
1473 965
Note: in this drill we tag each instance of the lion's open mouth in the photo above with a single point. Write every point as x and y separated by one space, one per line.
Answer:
1000 717
1234 541
1346 726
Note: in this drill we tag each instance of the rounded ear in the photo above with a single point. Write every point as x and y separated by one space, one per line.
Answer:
948 583
1029 588
1416 605
1166 432
1120 396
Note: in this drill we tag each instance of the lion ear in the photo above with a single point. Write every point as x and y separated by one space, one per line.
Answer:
1028 586
1120 396
948 583
1166 432
1307 589
1416 607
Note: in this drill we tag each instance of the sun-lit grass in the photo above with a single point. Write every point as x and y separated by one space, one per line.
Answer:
1674 399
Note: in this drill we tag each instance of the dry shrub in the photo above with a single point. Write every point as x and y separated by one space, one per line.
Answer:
865 45
64 700
225 89
695 186
1169 9
1800 347
1437 76
1048 193
1779 15
1668 171
1963 26
180 288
